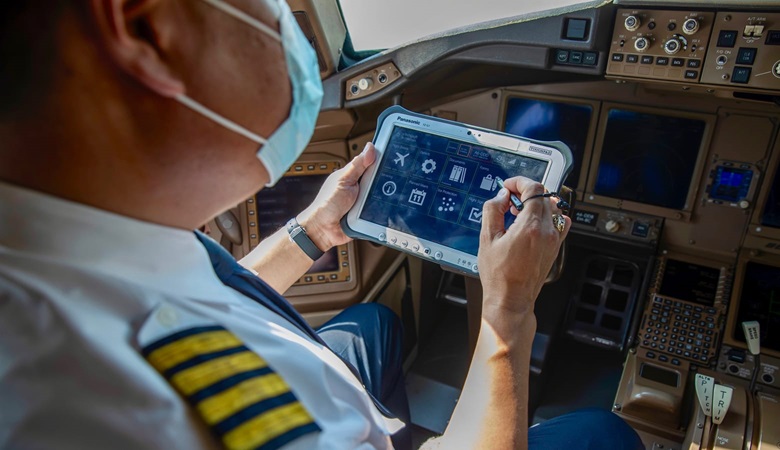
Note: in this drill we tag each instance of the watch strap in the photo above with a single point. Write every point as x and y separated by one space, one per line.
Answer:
298 235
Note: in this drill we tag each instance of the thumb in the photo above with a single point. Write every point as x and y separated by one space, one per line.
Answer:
493 212
355 169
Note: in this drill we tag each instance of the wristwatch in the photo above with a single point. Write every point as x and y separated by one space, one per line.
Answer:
298 235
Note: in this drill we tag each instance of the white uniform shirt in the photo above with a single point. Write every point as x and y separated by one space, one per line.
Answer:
78 288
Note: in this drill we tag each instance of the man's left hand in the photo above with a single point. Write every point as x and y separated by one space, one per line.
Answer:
322 219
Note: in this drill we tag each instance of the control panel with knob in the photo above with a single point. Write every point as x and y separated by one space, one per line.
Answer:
667 45
740 363
372 81
620 224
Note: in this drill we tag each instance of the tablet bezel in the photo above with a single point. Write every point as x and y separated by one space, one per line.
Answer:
555 173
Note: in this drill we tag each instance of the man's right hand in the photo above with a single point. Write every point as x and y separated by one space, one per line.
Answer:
514 262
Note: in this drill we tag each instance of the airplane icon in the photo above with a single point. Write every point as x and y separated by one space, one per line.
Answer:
400 158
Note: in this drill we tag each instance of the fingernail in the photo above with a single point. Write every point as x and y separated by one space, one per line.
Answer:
365 149
503 192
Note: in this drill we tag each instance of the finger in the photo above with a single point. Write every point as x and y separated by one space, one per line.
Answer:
525 188
493 215
355 169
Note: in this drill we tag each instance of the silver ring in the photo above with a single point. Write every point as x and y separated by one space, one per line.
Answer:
559 222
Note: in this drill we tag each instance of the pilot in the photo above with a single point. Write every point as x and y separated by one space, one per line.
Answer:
124 125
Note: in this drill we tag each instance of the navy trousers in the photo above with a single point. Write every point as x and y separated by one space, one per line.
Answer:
369 337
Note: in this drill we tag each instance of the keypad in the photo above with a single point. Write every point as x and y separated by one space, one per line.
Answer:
680 329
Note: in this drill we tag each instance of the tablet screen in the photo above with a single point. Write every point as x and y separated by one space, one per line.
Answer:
434 187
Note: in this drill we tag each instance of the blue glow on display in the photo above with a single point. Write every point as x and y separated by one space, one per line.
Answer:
648 158
434 187
551 121
731 184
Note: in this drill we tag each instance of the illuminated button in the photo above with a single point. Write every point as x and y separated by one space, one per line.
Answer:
746 56
320 277
310 167
308 279
438 256
334 277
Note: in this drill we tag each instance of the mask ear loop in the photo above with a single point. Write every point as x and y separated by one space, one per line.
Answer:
246 18
232 126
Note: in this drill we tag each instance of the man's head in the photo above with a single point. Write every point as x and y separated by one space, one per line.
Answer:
92 113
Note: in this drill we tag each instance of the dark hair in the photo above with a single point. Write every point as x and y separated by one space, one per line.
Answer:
27 53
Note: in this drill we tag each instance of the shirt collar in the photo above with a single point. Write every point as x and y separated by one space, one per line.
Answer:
166 259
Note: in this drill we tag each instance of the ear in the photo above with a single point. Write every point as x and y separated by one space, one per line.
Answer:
128 36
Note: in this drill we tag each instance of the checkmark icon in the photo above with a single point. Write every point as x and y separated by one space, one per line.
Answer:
475 215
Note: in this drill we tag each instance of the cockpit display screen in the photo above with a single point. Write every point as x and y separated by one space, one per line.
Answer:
290 196
771 217
731 184
691 282
434 187
649 158
760 300
551 121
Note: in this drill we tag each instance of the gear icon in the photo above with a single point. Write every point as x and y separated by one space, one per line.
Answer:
428 166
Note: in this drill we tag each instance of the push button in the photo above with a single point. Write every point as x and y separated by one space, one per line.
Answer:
575 57
694 63
746 56
692 74
617 57
740 75
662 61
647 59
561 56
590 58
678 62
727 38
632 58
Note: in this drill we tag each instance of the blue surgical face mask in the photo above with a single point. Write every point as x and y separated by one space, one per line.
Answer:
282 149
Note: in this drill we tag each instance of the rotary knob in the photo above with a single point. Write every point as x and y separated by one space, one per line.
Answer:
632 23
612 226
641 44
672 46
365 83
690 26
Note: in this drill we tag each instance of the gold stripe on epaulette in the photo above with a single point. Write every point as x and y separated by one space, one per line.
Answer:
225 404
187 348
258 431
192 380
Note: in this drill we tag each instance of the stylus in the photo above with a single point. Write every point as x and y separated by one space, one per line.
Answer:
515 201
